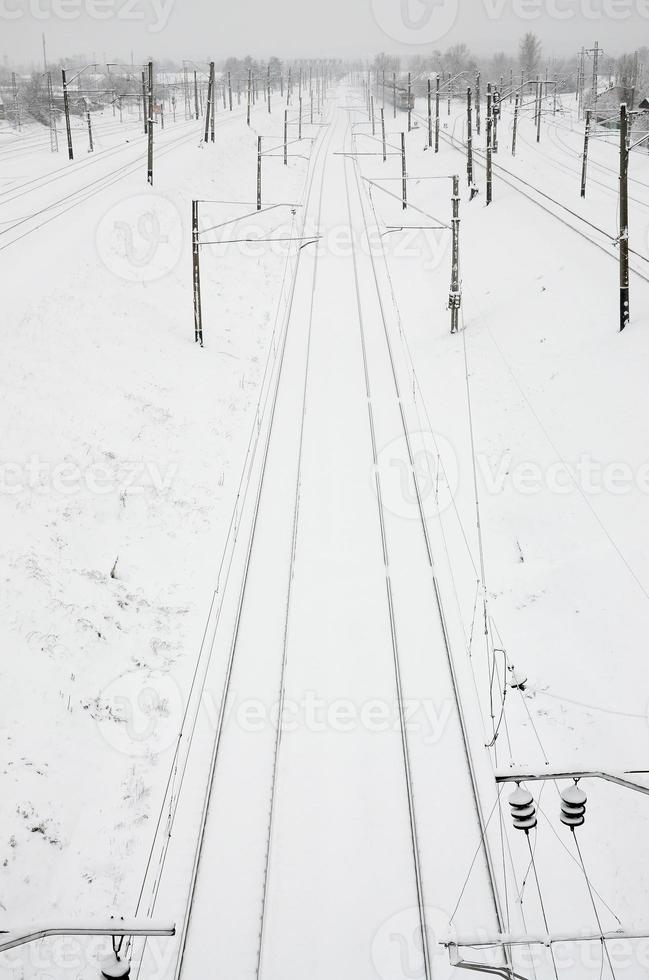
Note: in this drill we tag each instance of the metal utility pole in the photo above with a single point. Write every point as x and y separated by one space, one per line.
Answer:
249 96
145 114
404 178
469 137
383 135
624 218
477 103
196 112
584 164
593 94
394 94
230 91
91 147
150 128
540 106
259 173
437 116
210 99
515 129
455 298
489 147
430 115
66 109
286 137
196 267
409 102
54 136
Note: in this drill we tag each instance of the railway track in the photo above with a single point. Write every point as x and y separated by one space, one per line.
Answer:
26 225
550 205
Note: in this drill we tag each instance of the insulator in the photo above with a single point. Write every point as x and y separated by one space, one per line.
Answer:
573 806
523 810
113 968
518 679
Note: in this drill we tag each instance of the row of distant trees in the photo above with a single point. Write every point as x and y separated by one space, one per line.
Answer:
629 72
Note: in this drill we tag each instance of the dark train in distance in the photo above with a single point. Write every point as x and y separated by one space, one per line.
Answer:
401 97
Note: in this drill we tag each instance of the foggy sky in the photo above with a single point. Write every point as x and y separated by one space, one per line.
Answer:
112 29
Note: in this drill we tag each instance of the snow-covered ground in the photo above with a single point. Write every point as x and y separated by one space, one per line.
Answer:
123 448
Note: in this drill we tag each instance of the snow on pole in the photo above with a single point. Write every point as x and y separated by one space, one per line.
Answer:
455 295
624 218
515 128
469 137
584 163
196 271
66 107
489 146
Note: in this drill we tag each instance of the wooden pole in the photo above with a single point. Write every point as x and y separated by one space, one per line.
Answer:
249 96
259 173
372 115
198 313
584 163
230 91
477 104
196 112
394 94
430 115
624 219
383 134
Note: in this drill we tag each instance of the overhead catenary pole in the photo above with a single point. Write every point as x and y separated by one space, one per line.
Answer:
394 94
210 98
404 177
409 101
150 128
66 109
91 146
489 147
259 173
145 114
437 116
478 123
584 162
515 127
198 313
624 218
286 137
249 96
196 110
469 137
383 134
430 114
539 111
455 296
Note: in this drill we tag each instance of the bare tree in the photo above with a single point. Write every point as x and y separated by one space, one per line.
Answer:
529 54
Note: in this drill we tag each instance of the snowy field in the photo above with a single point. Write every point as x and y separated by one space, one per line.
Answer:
197 541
